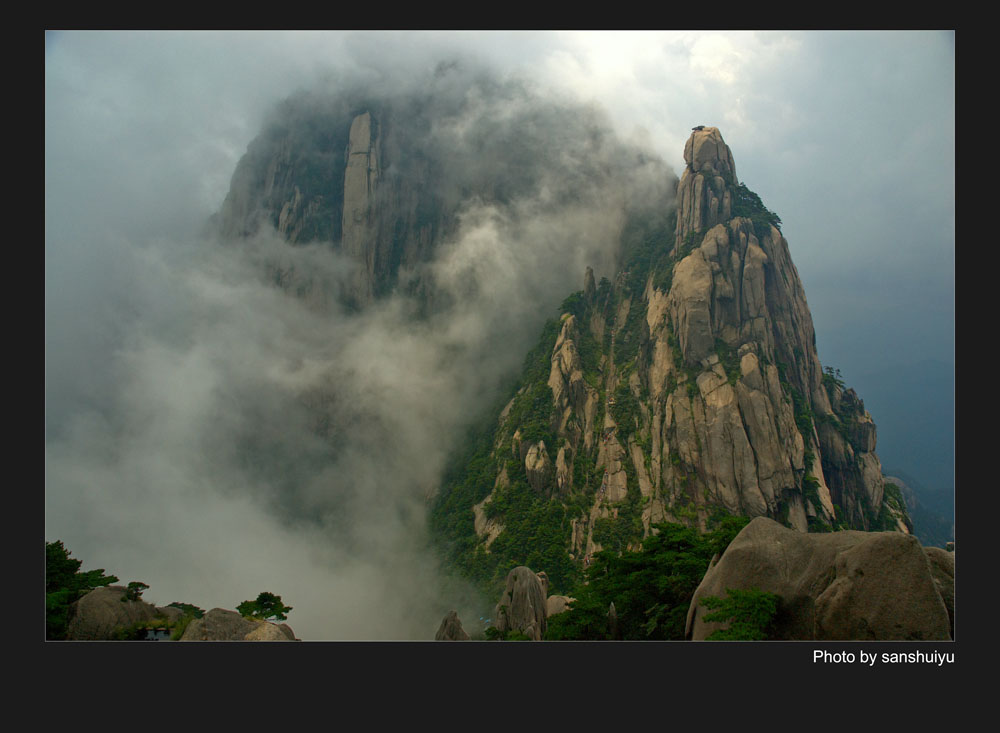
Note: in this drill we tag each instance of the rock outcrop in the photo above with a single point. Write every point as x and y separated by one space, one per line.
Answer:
223 625
847 585
702 196
451 629
103 612
522 606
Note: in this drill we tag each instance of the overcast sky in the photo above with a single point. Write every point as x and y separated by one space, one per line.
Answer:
848 137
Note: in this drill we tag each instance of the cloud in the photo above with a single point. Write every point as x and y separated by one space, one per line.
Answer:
249 439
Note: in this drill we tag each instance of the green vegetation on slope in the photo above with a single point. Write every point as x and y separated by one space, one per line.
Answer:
749 613
646 243
536 527
651 588
748 204
537 522
893 506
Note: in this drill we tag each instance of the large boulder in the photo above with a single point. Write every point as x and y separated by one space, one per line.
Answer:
451 629
103 612
522 605
222 625
846 585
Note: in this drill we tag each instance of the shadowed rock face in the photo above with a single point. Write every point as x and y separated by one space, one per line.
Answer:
451 629
845 585
523 605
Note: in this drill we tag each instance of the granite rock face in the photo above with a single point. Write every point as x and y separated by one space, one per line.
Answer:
846 585
692 383
943 571
702 196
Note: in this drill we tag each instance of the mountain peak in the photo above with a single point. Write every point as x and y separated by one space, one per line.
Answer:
701 391
706 151
704 193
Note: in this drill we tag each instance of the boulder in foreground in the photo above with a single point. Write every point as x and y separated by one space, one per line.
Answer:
847 585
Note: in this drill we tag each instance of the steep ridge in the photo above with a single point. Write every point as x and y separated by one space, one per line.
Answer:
689 385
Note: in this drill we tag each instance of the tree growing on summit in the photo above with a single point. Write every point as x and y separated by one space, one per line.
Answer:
133 592
189 609
267 606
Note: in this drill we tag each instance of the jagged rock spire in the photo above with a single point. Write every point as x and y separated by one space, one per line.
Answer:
706 151
704 198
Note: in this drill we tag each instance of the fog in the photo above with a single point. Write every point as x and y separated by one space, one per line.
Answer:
213 436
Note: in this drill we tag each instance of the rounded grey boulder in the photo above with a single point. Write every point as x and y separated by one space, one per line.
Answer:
847 585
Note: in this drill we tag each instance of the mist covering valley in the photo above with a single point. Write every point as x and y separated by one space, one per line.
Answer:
221 421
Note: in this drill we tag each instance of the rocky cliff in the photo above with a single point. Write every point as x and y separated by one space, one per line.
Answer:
688 385
315 175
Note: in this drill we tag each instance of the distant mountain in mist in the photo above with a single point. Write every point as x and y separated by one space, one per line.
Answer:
386 180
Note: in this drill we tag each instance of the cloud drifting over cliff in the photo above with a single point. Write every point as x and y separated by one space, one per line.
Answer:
235 438
182 389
